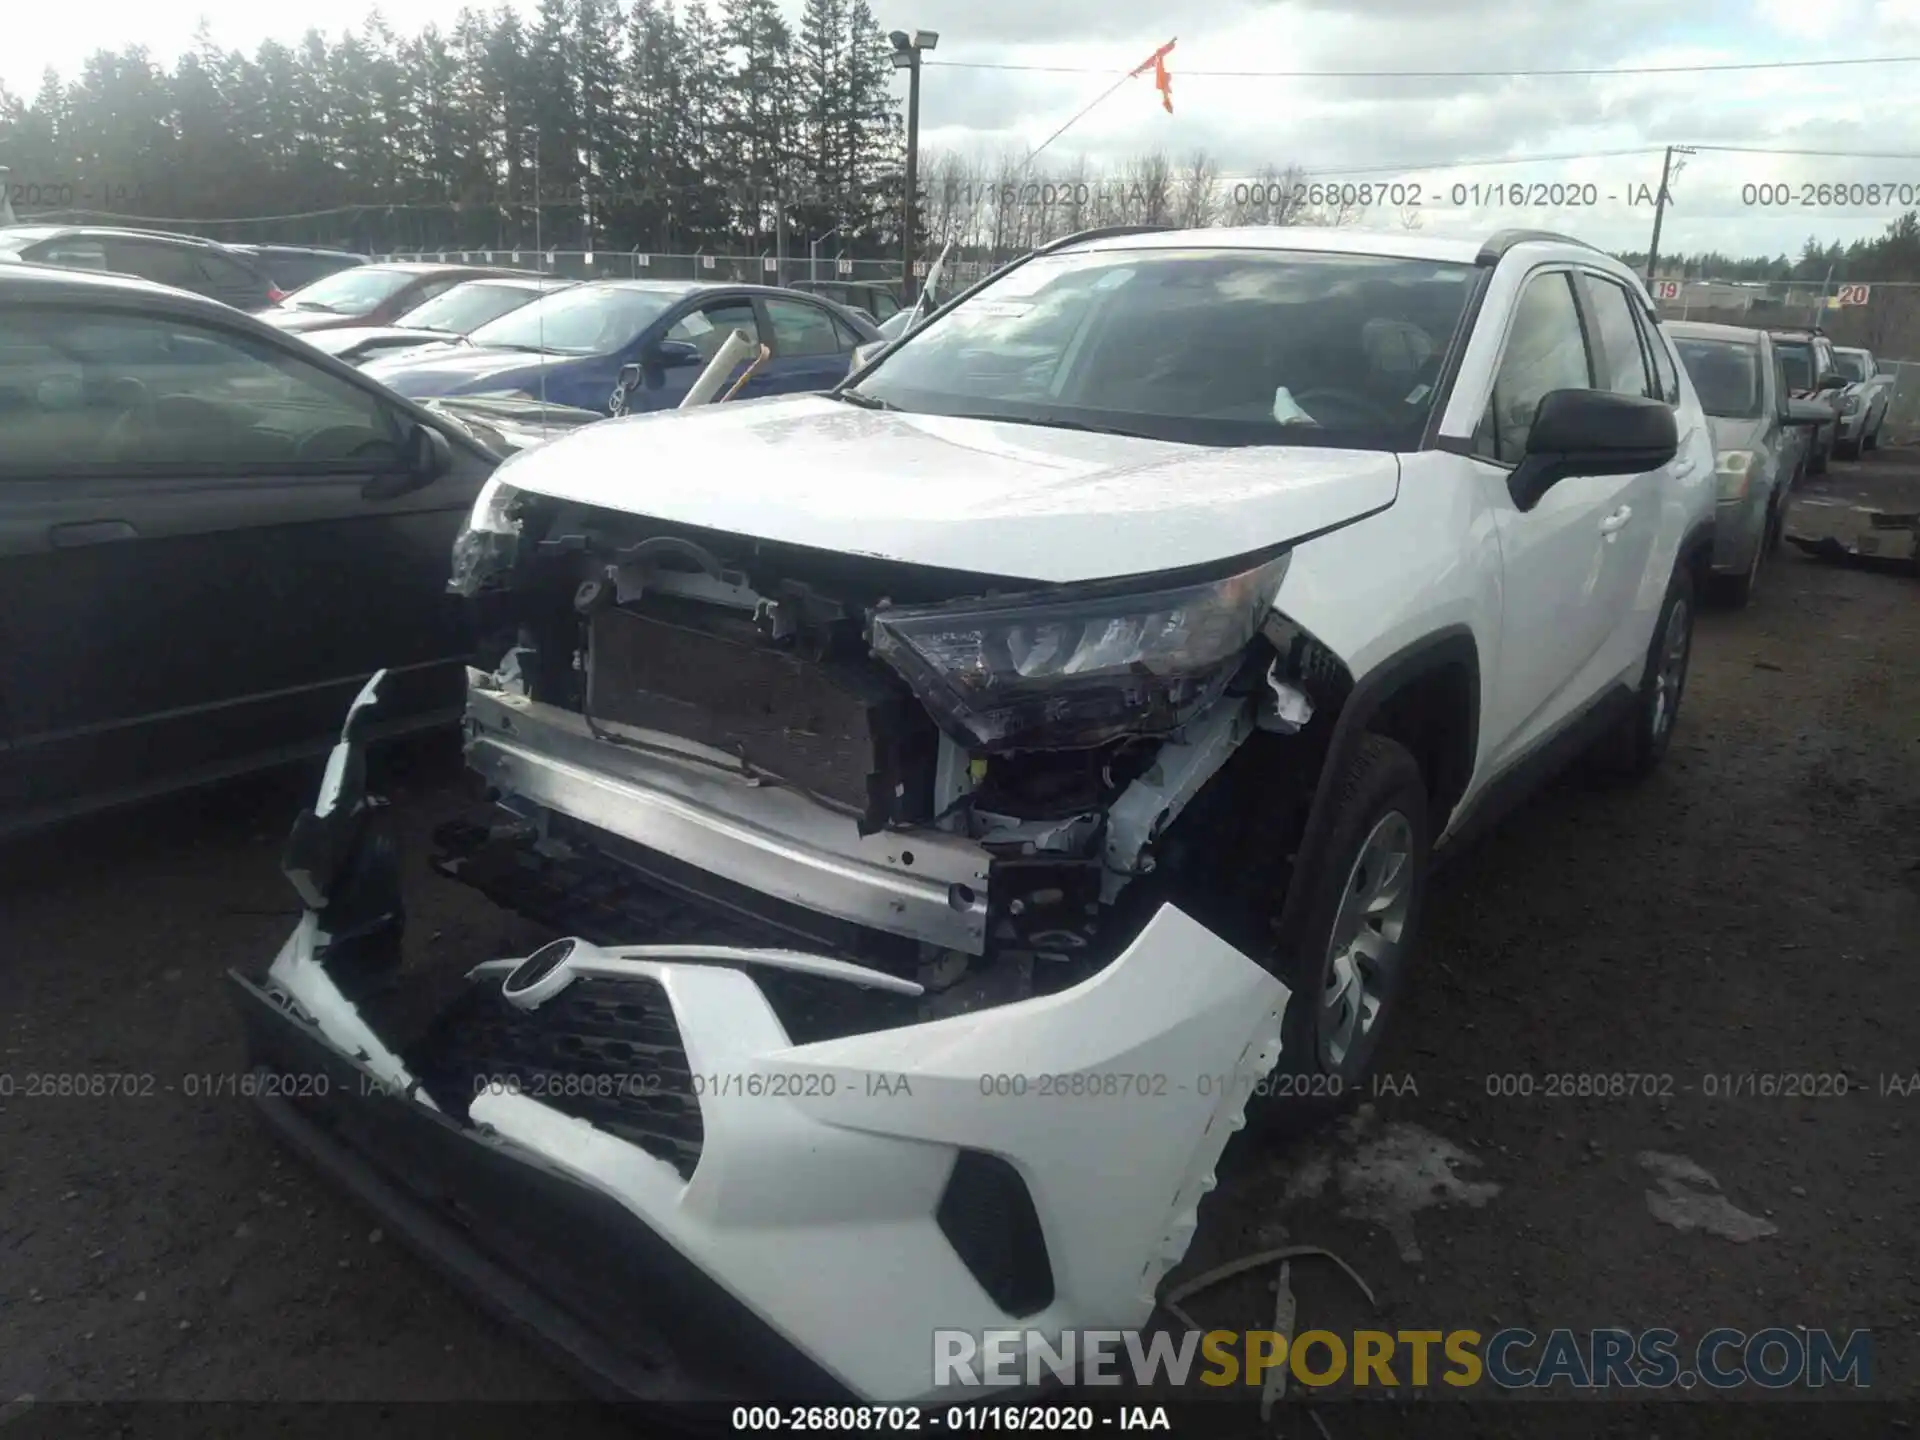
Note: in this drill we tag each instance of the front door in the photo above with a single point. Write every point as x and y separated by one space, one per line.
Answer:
195 579
1561 594
705 327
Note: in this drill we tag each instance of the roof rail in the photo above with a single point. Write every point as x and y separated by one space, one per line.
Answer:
1100 232
1504 240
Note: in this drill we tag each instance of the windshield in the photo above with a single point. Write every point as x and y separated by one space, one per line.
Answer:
1202 346
465 308
350 292
1726 375
1850 363
588 320
1797 365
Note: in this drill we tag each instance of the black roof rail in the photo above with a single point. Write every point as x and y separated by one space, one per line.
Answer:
1100 232
1502 241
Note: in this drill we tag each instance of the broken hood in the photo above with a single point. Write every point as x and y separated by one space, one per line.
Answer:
990 497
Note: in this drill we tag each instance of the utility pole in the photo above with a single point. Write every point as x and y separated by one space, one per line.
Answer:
1667 173
907 50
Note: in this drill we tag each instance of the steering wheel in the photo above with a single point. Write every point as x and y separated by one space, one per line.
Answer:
1370 412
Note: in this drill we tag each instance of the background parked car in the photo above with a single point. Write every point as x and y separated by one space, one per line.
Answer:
373 295
1807 358
1757 457
877 301
295 265
449 315
185 262
1863 403
569 349
210 535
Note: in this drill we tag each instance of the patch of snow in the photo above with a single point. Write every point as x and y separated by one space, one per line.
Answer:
1689 1198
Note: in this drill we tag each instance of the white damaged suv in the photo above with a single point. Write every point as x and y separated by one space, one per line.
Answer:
957 794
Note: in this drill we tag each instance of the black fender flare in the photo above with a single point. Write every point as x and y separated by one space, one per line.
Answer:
1451 645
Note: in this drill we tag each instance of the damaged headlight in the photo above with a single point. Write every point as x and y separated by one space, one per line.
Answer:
487 545
1079 665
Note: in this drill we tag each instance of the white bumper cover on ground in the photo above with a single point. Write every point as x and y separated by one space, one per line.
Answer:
816 1206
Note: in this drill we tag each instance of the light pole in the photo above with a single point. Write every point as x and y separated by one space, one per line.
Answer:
907 50
813 253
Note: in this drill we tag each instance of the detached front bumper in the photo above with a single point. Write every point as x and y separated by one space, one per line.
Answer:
644 1169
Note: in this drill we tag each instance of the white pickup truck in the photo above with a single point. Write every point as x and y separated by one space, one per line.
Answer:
1864 401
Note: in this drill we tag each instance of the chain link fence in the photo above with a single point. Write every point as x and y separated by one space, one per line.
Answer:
765 269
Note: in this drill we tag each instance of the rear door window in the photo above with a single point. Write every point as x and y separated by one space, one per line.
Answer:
800 329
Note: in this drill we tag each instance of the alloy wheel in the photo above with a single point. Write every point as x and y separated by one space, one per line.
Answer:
1670 678
1365 950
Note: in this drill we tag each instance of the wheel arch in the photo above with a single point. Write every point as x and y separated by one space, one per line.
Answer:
1427 697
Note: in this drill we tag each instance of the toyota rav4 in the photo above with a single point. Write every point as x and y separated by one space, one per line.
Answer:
955 796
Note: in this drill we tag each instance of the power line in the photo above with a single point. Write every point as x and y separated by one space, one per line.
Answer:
1705 69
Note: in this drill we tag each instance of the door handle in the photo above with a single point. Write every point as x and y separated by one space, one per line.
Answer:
1682 469
1614 522
90 532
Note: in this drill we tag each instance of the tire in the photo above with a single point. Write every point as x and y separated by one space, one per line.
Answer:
1777 526
1328 1052
1634 748
1871 440
1817 459
1846 450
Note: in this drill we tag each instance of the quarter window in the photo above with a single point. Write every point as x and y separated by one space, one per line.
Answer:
1546 351
1665 375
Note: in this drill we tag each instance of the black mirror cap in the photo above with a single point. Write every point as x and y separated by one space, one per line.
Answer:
1592 432
428 455
673 353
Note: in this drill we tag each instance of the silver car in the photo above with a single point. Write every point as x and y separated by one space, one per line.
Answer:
1863 404
1758 447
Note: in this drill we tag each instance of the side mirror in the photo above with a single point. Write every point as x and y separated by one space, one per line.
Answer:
629 378
429 455
1831 381
673 354
1591 432
865 355
1807 413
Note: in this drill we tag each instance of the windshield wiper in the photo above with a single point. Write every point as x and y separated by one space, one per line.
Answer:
316 305
863 400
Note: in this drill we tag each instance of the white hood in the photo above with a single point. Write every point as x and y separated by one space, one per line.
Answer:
1022 501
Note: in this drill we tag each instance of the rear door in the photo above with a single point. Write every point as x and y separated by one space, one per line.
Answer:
158 261
197 579
812 348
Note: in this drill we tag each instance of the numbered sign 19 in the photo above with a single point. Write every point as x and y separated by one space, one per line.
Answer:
1851 295
768 264
1666 289
920 267
845 267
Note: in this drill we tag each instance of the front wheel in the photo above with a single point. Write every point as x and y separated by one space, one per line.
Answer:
1346 972
1638 743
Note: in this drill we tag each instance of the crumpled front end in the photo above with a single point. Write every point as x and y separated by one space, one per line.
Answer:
911 939
825 1153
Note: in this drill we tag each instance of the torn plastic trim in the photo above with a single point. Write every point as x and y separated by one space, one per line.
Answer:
927 885
299 974
629 960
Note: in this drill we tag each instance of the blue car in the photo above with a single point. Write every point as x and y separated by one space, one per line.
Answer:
569 348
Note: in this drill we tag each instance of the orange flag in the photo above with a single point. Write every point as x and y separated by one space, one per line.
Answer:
1163 82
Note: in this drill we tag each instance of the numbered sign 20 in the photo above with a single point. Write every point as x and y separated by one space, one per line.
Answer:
1851 295
1666 289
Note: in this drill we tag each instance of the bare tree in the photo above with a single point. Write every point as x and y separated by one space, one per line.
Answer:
1199 192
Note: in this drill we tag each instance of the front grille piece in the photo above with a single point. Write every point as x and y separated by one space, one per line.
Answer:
987 1215
605 1050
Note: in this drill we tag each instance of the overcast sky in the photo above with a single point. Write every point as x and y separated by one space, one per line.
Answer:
1379 131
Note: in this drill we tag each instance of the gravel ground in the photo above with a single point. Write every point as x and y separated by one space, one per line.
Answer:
1750 912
